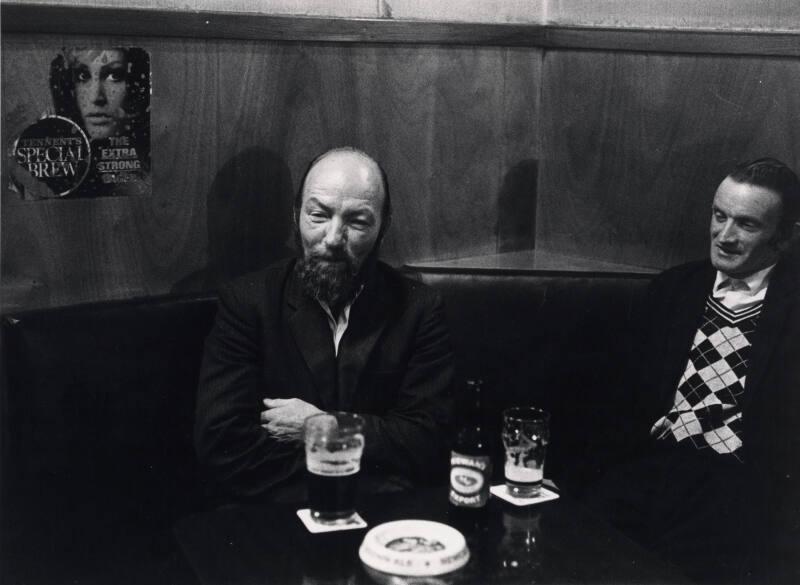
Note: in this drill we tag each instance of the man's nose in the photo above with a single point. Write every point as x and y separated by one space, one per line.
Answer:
335 235
728 232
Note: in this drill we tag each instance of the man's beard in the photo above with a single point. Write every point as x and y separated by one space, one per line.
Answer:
332 280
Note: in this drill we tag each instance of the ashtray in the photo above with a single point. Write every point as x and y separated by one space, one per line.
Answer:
414 548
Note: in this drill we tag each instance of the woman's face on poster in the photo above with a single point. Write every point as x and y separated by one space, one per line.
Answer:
100 78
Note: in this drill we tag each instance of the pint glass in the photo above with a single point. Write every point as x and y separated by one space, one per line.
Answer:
525 436
334 443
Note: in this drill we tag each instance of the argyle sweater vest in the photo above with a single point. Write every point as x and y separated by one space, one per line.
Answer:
707 408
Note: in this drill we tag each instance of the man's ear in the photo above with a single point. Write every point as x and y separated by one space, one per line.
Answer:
386 223
786 236
293 240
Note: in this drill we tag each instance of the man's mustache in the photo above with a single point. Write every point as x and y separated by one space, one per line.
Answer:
728 249
331 256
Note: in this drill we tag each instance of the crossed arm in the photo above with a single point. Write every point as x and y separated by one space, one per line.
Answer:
249 440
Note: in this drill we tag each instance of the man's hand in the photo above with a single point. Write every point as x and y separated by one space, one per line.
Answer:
283 417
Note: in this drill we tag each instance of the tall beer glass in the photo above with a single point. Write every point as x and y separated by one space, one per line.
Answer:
334 443
526 433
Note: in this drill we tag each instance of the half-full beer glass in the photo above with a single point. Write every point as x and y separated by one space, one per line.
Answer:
526 433
334 443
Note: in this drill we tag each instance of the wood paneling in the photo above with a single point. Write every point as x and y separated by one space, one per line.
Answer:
234 123
635 146
625 146
673 41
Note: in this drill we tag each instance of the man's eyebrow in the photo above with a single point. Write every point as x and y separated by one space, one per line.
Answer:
739 218
359 211
314 201
748 218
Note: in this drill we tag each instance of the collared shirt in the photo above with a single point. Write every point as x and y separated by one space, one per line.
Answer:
741 293
338 326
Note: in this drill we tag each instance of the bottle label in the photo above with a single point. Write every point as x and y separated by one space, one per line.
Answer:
469 479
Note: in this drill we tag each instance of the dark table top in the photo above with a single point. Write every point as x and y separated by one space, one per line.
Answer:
552 542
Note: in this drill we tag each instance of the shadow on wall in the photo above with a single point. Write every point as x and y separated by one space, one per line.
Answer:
516 207
249 219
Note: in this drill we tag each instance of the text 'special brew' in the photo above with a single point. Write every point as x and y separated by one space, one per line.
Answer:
470 459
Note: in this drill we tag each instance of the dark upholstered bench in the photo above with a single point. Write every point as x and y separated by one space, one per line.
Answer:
98 405
553 340
97 438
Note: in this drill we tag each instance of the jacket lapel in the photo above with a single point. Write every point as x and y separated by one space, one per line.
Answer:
689 304
780 301
312 335
368 318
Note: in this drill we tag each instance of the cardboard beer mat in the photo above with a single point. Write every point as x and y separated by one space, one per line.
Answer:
545 495
355 521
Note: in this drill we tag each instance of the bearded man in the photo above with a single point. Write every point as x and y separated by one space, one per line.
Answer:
335 329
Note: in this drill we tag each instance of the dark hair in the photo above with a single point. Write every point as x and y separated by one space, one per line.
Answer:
386 210
774 175
137 100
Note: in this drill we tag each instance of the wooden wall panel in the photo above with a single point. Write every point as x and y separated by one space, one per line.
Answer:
234 124
636 144
457 153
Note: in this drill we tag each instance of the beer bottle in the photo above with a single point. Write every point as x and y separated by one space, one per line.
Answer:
470 458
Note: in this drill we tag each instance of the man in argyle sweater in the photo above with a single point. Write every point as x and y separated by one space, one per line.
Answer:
711 479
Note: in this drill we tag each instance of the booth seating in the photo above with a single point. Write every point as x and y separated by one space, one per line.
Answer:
97 439
98 403
555 340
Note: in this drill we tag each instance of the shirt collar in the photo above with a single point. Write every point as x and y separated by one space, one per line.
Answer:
753 283
339 324
344 314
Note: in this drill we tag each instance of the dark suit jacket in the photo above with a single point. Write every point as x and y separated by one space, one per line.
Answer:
394 367
771 403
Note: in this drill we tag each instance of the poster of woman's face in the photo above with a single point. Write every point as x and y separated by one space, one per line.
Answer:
100 79
105 92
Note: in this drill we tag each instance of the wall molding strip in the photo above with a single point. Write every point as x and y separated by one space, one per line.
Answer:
70 20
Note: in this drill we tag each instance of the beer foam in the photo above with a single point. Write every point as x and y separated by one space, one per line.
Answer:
523 474
335 459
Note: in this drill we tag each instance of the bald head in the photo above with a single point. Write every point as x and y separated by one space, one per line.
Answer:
347 170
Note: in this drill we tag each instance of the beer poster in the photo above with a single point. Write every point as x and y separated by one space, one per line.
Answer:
94 140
